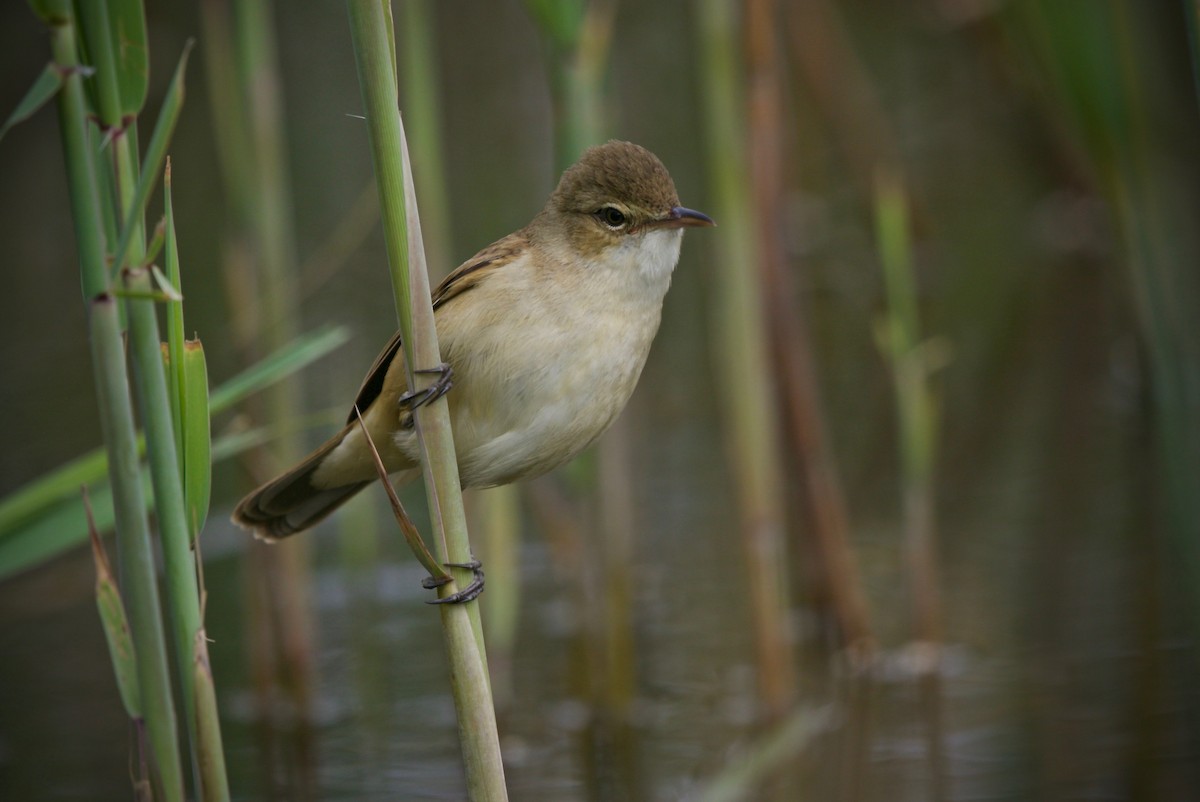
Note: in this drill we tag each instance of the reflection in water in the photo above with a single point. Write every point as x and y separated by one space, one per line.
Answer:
384 723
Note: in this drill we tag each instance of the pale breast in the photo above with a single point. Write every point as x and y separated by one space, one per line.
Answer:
536 385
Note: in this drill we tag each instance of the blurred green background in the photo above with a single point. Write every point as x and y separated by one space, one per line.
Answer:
1047 155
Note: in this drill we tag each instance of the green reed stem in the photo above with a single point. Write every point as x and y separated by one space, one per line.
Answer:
790 332
138 571
420 78
138 576
41 497
268 318
741 353
150 383
371 31
151 386
270 206
210 751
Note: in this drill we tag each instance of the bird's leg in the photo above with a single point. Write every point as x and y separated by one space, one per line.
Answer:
469 593
412 399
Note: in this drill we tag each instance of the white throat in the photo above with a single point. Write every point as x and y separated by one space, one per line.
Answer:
647 261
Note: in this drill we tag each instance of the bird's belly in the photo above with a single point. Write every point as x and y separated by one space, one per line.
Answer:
541 414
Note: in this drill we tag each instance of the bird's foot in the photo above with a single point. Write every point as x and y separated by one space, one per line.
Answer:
441 385
469 593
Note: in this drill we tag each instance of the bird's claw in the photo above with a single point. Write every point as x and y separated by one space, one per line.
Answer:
469 593
441 385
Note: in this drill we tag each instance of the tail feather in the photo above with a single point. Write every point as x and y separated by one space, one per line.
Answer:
290 502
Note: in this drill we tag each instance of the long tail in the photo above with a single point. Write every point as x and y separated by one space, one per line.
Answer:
290 503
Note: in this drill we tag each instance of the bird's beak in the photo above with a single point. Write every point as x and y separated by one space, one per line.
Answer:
681 217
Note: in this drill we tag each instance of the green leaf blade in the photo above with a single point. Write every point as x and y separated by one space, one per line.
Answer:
197 438
115 622
128 26
42 519
120 643
282 363
51 12
156 154
176 383
42 92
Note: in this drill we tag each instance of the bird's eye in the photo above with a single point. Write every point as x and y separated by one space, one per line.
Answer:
611 216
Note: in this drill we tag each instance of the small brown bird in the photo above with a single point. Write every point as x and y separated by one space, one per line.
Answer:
545 331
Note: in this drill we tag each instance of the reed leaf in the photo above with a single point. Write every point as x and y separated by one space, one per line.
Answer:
407 528
197 439
155 246
115 622
175 336
743 776
36 499
287 360
127 19
57 528
99 49
42 92
150 385
115 42
156 153
51 12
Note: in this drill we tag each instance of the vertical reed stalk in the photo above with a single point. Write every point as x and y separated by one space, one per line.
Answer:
789 334
371 31
842 88
286 565
491 513
138 578
261 289
419 74
271 210
745 378
138 573
154 401
210 752
912 361
119 89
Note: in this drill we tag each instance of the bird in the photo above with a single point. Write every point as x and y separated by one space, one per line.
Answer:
544 334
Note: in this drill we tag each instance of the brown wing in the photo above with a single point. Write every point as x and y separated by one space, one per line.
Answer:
467 275
471 272
372 386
